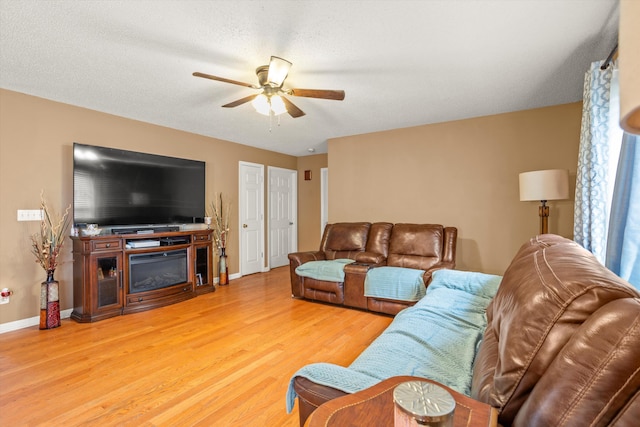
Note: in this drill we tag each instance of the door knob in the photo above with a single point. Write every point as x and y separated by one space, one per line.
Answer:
290 223
244 225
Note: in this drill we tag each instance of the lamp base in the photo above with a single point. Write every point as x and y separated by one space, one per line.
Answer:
543 211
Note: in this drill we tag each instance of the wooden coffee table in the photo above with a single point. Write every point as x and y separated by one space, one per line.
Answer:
374 407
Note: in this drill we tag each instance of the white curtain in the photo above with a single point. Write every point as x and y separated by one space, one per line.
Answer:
597 158
607 208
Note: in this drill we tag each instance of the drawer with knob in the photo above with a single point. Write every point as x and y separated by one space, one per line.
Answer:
202 237
106 245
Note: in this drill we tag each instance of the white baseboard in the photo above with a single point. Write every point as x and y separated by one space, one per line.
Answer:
64 314
32 321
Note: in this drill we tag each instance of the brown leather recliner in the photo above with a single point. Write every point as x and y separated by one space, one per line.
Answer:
420 246
562 344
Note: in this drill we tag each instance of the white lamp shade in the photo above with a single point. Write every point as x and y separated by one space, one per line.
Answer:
552 184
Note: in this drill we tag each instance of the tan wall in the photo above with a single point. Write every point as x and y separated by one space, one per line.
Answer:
463 174
309 210
36 138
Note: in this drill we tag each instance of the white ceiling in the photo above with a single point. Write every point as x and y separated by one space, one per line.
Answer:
401 63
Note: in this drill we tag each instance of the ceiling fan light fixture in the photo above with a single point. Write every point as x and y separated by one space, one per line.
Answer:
270 81
277 105
278 71
261 104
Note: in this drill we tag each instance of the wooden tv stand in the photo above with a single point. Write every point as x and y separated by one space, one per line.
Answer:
102 268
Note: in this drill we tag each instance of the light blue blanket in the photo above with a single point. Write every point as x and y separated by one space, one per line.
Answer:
396 283
436 339
329 270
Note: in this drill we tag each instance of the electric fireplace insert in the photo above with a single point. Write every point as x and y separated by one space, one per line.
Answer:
157 270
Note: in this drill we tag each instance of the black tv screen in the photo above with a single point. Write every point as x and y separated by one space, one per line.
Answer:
113 187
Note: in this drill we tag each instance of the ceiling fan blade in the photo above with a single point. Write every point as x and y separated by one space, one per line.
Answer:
222 79
240 101
337 95
278 70
292 109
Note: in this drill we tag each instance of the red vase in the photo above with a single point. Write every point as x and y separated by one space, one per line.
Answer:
49 302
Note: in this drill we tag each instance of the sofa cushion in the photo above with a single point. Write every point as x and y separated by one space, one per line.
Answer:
435 339
549 290
378 240
347 237
396 283
416 246
329 270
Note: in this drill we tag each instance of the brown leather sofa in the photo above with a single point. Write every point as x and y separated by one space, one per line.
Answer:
427 247
562 345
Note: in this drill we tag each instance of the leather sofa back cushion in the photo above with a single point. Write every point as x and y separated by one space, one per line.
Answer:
378 242
416 246
341 237
546 296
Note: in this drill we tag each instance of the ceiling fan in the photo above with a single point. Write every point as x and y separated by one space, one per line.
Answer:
270 80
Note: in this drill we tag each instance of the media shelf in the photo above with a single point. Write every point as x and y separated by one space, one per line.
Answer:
116 274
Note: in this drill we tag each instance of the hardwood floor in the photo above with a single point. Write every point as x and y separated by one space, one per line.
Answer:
221 359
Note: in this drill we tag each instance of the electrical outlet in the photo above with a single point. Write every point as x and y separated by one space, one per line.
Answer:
4 295
29 214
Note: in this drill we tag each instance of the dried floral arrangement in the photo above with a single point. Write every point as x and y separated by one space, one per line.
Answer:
220 221
46 244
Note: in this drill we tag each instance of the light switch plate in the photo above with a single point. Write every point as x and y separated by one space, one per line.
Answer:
29 214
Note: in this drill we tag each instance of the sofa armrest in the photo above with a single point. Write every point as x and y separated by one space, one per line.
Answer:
299 258
354 275
296 259
427 276
311 395
449 245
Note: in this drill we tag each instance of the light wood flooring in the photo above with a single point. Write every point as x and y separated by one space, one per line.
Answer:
221 359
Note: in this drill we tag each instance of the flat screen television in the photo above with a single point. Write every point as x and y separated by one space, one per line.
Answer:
114 187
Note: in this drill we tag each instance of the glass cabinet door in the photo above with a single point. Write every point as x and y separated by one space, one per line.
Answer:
203 254
107 280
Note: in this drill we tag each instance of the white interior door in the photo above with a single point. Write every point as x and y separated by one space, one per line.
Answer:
251 208
282 220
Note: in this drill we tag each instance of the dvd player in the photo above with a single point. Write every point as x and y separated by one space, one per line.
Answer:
143 243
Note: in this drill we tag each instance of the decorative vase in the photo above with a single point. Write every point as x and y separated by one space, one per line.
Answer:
49 302
222 268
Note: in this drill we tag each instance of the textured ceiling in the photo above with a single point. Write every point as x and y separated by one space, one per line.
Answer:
401 63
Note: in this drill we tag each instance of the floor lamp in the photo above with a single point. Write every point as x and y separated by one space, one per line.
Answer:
552 184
